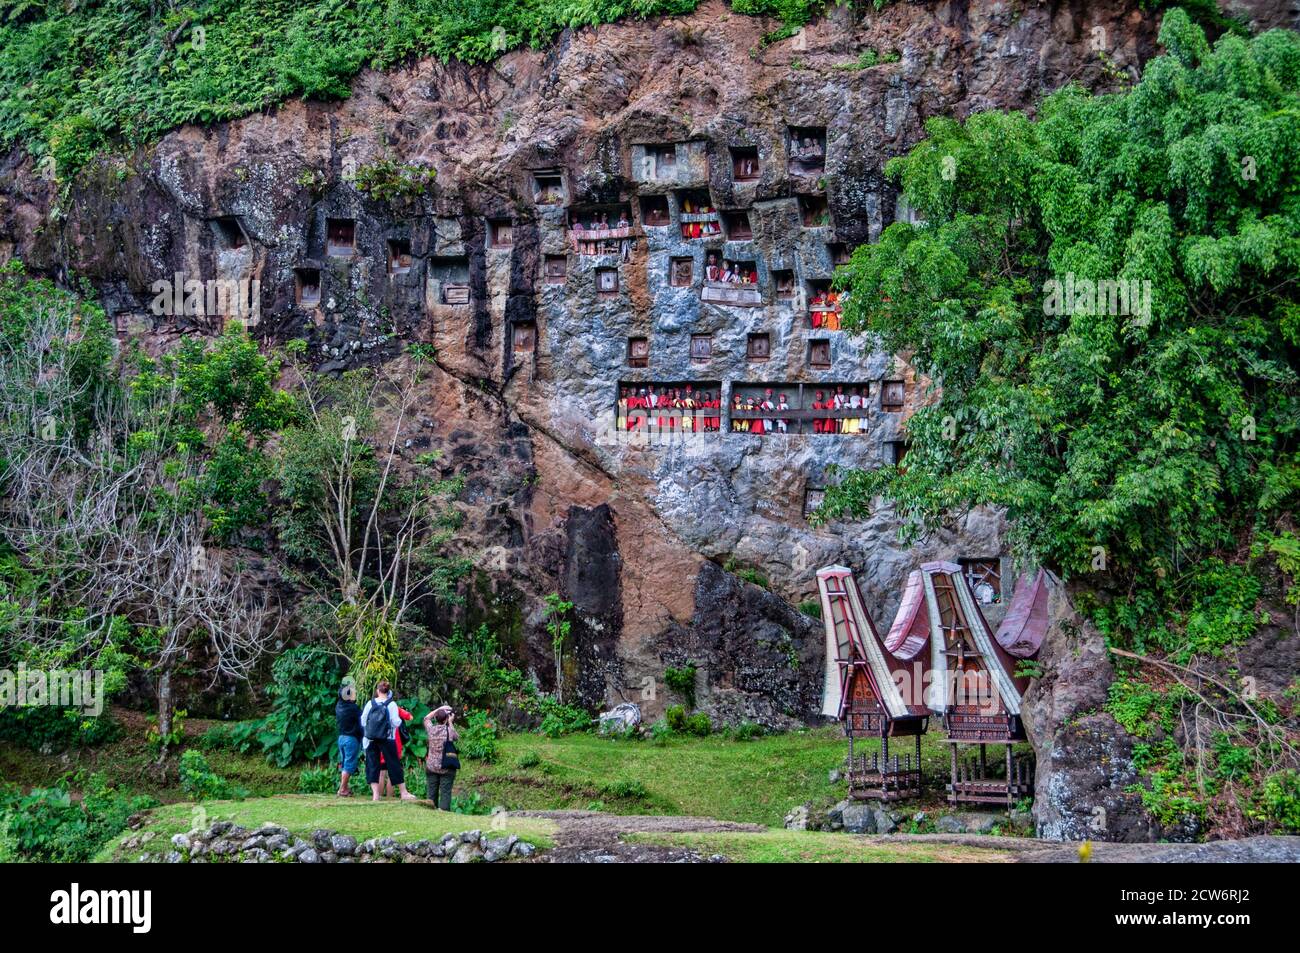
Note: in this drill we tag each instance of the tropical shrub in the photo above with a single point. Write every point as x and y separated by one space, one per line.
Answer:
48 825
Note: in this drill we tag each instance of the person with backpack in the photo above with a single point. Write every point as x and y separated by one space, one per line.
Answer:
347 714
441 761
399 739
380 720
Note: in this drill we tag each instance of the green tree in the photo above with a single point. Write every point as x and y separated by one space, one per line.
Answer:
1147 436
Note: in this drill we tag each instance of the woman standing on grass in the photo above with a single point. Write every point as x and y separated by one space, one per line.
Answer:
442 760
380 721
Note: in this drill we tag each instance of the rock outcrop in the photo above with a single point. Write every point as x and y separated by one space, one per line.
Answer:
535 339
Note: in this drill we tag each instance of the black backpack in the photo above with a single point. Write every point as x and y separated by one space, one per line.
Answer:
377 724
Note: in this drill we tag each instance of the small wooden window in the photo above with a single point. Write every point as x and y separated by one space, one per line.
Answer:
638 352
501 232
701 347
892 395
524 337
230 231
556 269
744 164
759 347
340 237
681 272
985 578
819 353
399 257
738 229
784 280
607 281
812 498
814 211
307 287
654 210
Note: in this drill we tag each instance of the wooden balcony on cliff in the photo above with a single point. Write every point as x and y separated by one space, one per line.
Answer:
734 294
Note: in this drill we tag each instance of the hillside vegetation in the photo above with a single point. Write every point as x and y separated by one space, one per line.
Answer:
1108 294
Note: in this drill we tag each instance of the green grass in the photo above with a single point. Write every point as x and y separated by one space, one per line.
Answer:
756 781
811 847
302 814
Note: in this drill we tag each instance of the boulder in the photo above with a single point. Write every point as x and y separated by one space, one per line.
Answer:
859 818
620 718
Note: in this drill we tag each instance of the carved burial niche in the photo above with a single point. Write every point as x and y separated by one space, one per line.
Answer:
654 211
555 269
737 225
814 212
812 498
807 145
607 281
819 353
548 187
698 216
500 233
681 272
638 352
893 394
744 164
839 253
758 347
523 337
783 279
399 256
306 287
701 347
449 279
660 162
340 237
893 451
230 234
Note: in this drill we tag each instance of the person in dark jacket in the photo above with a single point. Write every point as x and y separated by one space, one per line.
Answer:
347 713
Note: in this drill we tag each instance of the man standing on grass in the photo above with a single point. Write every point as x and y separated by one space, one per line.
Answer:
380 720
347 713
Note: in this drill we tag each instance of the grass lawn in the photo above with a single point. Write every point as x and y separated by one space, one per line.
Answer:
757 781
812 847
302 814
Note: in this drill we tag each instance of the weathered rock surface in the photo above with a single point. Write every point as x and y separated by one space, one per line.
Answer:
1084 758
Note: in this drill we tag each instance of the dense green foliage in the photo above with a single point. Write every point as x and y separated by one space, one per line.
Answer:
300 725
1137 432
48 825
1143 440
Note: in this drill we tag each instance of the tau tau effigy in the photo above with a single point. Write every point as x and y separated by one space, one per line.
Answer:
939 657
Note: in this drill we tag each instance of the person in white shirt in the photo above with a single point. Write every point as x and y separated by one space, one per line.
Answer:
379 723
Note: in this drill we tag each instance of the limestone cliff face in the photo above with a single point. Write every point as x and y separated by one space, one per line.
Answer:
647 120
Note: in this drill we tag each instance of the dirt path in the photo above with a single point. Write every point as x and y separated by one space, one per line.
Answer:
586 837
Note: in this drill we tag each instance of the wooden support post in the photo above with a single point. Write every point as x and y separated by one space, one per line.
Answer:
1010 789
952 795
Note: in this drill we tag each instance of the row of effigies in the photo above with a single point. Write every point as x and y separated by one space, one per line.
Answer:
939 659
